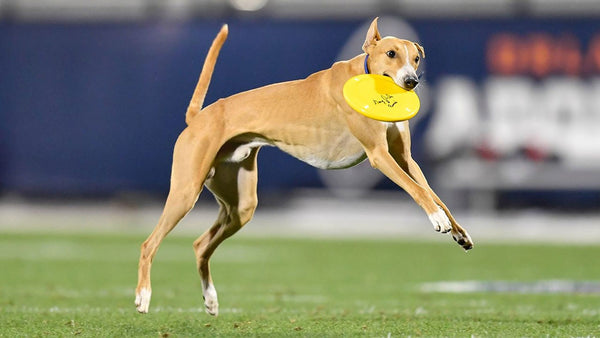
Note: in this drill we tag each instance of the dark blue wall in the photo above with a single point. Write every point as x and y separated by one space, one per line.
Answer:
96 108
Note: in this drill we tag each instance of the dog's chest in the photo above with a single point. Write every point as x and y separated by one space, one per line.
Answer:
329 149
326 150
341 161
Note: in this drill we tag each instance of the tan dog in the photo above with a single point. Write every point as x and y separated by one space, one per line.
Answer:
308 119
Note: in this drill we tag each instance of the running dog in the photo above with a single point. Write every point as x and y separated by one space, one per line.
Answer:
308 119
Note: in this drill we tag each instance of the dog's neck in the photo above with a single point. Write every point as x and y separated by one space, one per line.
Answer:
350 68
367 64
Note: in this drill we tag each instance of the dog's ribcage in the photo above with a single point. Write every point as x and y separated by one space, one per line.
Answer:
330 152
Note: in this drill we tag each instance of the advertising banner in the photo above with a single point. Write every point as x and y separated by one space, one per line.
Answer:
95 108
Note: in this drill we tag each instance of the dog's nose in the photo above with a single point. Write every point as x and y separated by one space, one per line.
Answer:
411 82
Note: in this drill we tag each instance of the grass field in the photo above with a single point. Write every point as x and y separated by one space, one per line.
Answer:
63 285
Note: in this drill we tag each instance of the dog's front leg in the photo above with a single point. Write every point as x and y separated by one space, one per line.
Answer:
381 159
459 234
399 147
373 136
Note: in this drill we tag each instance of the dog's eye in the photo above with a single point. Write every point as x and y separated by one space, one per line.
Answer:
390 53
417 59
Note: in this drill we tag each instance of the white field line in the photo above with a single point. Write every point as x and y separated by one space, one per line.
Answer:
535 287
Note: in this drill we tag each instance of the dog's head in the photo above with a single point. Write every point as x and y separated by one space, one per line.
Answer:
393 57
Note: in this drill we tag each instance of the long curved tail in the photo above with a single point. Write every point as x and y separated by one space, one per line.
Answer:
207 70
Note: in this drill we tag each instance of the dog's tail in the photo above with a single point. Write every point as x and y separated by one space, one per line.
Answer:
207 71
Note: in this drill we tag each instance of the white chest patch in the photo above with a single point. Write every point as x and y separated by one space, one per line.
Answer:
400 126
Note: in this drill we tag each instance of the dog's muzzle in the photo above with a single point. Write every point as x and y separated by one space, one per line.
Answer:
410 82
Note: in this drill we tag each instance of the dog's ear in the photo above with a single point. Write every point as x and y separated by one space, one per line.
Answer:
420 49
372 36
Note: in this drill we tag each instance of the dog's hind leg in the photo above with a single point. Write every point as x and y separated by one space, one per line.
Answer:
192 159
234 186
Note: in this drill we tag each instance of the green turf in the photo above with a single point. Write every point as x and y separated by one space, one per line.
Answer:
63 285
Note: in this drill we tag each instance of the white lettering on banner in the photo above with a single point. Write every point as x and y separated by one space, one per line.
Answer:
455 123
510 117
558 117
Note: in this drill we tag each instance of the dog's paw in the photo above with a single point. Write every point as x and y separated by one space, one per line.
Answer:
211 303
441 222
142 300
462 238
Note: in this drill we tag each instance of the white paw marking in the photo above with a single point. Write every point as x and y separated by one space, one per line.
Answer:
210 300
440 221
142 300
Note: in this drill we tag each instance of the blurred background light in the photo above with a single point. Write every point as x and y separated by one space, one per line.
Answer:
248 5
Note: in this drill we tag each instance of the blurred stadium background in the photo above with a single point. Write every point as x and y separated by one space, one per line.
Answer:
93 95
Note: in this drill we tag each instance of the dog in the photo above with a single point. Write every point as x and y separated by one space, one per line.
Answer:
310 120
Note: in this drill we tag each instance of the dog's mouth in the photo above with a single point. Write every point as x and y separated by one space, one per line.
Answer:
399 85
388 75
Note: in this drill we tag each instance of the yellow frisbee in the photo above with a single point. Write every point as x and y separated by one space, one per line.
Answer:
380 98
